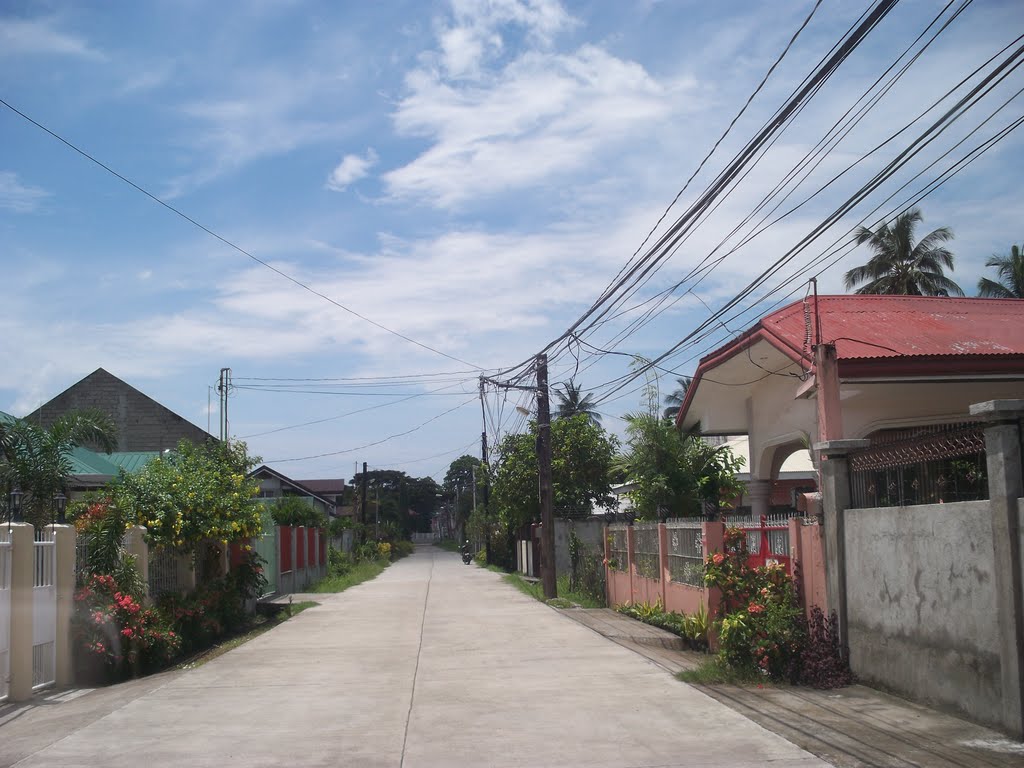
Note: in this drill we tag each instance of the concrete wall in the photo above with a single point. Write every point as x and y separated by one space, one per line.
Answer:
142 423
921 604
590 532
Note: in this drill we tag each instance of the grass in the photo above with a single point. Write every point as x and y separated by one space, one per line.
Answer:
448 545
714 672
259 624
566 597
362 571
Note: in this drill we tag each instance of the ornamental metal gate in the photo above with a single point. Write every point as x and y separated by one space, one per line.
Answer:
5 612
44 611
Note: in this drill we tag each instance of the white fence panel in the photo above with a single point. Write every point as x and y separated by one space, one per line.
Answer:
5 612
44 612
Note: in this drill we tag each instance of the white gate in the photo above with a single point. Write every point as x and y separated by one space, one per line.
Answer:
44 612
5 612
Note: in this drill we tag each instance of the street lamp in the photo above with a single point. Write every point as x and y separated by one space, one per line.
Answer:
14 505
60 501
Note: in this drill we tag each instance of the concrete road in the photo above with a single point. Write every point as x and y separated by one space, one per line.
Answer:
432 664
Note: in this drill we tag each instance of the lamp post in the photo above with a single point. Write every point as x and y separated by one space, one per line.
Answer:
60 501
14 505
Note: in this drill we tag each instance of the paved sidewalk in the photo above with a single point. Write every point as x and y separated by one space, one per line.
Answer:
431 664
853 726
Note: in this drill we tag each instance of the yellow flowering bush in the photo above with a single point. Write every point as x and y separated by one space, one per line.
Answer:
192 494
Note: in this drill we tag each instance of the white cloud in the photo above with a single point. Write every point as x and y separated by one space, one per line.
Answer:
41 37
541 115
352 168
17 197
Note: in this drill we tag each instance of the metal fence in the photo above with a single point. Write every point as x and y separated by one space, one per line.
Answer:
619 546
164 565
44 610
920 465
646 550
686 552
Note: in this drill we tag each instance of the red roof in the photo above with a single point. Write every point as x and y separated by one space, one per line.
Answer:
891 326
891 335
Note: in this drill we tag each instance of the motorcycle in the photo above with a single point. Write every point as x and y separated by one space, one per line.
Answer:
467 555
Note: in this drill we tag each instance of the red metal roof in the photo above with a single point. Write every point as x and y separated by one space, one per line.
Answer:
914 326
890 336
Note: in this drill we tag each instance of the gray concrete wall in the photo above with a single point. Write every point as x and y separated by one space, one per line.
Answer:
921 604
588 531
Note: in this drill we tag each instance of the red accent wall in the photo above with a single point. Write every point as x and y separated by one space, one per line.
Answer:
311 538
323 546
300 548
286 548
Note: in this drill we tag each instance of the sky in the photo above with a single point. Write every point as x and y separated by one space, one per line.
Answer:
469 175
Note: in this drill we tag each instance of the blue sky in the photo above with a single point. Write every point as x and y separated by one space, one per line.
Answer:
470 174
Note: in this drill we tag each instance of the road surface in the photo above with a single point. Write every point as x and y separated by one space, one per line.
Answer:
431 664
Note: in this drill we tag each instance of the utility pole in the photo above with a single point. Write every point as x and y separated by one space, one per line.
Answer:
223 385
487 478
547 495
362 500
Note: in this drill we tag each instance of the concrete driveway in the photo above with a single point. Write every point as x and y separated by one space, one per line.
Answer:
431 664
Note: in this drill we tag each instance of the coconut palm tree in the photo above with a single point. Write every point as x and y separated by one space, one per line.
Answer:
899 267
1011 276
674 401
572 402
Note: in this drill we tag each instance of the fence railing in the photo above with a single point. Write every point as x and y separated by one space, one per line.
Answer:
646 550
618 547
44 610
686 552
767 538
921 465
164 572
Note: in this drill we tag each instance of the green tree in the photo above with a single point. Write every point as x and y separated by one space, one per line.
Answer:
581 462
458 485
674 401
38 460
296 510
1010 270
572 402
193 494
901 267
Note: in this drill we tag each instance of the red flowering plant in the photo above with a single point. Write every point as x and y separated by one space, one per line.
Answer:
111 626
761 623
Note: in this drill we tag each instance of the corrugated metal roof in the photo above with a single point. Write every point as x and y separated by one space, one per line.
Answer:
86 462
130 461
908 326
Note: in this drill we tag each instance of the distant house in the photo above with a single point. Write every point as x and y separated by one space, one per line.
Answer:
275 485
143 424
332 490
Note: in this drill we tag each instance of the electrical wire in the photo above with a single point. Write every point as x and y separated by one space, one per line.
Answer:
229 243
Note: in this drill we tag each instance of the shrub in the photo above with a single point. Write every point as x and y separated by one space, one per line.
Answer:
365 551
693 628
480 558
824 663
339 563
383 550
402 548
111 626
294 510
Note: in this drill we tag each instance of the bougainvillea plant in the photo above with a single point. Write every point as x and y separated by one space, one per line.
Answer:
113 627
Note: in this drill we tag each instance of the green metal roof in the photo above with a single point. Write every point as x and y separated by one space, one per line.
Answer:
131 461
86 462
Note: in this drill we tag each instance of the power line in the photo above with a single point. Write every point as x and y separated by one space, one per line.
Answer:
227 242
377 442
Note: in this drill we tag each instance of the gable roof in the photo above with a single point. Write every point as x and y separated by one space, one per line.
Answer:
265 469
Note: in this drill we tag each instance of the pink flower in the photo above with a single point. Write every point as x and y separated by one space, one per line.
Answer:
718 558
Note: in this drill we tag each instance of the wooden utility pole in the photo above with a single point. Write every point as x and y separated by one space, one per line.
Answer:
483 458
547 494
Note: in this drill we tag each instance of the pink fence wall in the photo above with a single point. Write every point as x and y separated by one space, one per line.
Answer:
629 586
626 584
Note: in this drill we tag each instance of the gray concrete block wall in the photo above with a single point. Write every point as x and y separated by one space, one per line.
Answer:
143 424
921 604
589 531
